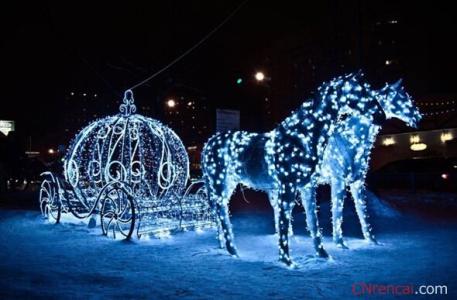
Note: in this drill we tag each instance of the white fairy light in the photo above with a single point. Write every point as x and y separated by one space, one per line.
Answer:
274 161
133 170
346 157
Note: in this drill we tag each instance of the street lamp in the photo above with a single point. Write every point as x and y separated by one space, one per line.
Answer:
171 103
51 151
259 76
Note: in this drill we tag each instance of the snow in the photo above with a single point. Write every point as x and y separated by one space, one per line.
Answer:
435 200
379 208
72 261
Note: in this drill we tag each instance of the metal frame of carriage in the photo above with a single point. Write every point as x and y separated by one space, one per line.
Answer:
121 213
123 208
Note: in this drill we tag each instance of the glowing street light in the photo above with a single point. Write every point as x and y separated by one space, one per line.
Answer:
51 151
446 136
259 76
418 147
171 103
388 141
414 139
416 144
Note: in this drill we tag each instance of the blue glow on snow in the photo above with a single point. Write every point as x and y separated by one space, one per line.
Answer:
285 161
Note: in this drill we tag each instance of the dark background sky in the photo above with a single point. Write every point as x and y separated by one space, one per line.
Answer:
49 49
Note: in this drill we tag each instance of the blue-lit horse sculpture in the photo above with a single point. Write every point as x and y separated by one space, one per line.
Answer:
346 157
283 162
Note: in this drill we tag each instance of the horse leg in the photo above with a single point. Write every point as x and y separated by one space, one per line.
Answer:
220 234
308 195
273 197
338 195
212 200
220 195
358 192
226 228
291 229
220 231
285 204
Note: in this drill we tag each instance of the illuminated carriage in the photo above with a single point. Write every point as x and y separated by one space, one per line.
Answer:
132 171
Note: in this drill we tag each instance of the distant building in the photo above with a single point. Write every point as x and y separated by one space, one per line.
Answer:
187 111
79 108
6 126
435 137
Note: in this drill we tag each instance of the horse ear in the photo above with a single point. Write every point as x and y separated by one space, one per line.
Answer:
359 74
397 84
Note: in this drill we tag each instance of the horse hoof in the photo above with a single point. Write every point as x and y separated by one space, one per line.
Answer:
232 252
287 261
341 244
372 241
322 253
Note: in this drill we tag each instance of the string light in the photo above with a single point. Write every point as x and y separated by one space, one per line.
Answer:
285 160
131 169
437 108
346 158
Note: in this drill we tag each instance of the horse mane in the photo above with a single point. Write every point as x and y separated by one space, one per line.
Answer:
326 94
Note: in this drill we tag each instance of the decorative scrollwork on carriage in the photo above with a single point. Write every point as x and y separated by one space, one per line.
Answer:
130 169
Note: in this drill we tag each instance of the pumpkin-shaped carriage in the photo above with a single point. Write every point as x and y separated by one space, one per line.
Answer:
132 171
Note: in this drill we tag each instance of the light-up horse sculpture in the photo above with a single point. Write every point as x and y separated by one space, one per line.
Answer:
346 157
283 162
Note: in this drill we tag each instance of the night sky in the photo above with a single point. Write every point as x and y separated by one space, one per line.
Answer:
49 49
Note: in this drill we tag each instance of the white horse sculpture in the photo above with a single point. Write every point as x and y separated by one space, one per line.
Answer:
283 162
346 157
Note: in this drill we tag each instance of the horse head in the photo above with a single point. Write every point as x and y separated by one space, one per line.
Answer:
356 98
396 103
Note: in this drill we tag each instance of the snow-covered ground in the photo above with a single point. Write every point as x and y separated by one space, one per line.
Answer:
71 261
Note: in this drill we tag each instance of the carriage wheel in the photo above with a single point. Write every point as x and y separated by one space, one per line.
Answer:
50 205
117 215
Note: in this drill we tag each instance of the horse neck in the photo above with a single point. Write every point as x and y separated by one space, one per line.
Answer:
386 102
368 129
314 119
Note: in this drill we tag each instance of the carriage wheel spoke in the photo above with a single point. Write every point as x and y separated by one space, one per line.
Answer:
121 229
119 208
109 212
50 205
109 224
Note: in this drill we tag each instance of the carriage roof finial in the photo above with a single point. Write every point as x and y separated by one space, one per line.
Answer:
127 107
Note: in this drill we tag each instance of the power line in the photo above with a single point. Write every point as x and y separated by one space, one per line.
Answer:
207 36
